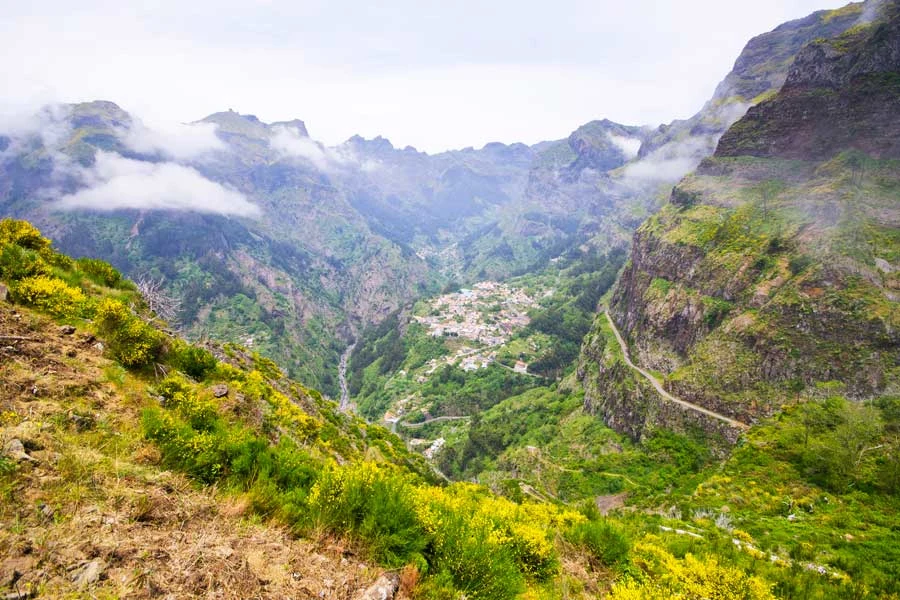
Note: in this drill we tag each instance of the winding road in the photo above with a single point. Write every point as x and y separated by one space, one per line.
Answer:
662 391
434 420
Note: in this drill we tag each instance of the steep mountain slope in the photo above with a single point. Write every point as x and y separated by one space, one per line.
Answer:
99 406
99 409
257 245
772 270
88 509
758 73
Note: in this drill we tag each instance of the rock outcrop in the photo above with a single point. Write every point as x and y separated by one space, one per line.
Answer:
770 273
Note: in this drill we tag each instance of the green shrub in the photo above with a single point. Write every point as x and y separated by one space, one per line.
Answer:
373 504
24 234
196 453
191 360
480 568
99 271
131 341
799 263
200 414
7 466
50 295
18 263
606 543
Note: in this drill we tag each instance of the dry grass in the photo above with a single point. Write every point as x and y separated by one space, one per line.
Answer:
94 493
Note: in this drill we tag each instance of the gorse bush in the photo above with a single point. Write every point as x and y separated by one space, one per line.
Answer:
199 412
18 263
99 271
504 532
51 295
663 577
477 564
192 360
605 542
373 504
23 234
131 341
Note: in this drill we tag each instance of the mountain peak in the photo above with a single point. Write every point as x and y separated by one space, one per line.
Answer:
98 113
234 122
376 145
840 93
295 124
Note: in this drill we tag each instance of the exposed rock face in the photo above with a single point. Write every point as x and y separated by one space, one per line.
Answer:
748 289
840 93
384 588
760 70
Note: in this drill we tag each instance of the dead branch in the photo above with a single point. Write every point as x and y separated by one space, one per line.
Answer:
163 304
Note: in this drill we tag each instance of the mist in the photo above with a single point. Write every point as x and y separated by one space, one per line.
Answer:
115 183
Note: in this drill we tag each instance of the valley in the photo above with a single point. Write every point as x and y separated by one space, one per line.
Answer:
634 362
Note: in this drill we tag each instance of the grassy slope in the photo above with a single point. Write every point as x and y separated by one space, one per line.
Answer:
95 491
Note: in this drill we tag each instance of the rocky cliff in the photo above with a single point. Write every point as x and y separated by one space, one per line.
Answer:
772 271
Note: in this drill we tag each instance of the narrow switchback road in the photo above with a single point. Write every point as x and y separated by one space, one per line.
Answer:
659 388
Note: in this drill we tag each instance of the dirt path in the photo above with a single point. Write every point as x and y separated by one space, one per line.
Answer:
659 388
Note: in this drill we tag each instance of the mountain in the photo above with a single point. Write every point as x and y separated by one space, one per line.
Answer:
583 199
770 275
269 238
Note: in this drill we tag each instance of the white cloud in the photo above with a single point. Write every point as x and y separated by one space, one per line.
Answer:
425 74
672 161
180 141
370 166
291 142
628 146
48 125
117 183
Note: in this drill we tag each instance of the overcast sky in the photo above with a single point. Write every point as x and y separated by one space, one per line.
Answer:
433 74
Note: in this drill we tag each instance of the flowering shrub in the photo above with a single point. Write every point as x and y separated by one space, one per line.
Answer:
131 341
372 503
192 360
199 413
23 234
50 295
18 263
665 577
100 271
521 530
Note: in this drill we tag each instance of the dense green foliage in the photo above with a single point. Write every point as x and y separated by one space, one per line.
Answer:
567 317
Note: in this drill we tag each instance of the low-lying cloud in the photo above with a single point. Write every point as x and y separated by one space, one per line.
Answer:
175 140
46 126
116 183
290 142
628 146
672 161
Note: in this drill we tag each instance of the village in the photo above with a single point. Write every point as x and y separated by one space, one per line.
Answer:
488 314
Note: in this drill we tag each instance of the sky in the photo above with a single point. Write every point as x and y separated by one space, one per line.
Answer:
434 74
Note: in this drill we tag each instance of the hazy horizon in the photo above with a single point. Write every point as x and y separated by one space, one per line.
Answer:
429 75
